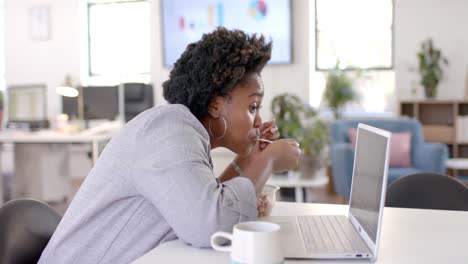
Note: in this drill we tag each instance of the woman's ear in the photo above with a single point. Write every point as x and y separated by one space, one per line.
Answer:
216 107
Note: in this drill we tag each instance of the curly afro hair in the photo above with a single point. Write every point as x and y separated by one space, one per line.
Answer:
212 67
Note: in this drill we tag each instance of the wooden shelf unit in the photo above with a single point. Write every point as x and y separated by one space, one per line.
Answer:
439 121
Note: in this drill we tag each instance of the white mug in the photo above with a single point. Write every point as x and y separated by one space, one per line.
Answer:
253 242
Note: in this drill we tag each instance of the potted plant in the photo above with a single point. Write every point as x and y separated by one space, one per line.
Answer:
430 67
313 139
338 91
298 120
289 111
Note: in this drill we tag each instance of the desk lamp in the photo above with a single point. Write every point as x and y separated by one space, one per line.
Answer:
67 90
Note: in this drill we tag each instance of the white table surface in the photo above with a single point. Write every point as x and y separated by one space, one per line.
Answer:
50 136
457 164
91 136
293 180
408 236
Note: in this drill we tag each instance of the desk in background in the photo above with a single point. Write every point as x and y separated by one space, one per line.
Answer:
408 236
44 160
294 180
458 164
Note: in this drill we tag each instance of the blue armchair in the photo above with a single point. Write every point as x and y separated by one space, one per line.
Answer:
425 157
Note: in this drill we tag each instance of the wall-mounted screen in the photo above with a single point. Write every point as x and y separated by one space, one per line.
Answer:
185 21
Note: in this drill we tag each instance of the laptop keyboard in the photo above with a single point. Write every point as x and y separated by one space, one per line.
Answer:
330 234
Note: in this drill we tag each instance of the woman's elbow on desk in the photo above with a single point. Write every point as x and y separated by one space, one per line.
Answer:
201 231
220 215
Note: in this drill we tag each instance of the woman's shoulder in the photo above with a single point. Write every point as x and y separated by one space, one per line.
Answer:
161 133
172 119
172 114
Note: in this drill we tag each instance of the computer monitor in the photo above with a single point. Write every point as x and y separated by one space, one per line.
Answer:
27 106
70 106
99 102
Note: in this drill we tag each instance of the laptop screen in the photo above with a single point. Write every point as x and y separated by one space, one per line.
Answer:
368 175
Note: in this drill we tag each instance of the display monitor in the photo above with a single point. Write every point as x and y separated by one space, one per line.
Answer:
27 103
185 21
99 102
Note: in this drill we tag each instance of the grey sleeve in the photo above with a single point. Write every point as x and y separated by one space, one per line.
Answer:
181 184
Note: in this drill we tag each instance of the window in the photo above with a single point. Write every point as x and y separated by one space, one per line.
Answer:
118 38
357 34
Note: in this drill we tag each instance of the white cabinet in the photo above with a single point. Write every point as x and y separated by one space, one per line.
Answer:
41 171
50 171
80 163
47 163
80 160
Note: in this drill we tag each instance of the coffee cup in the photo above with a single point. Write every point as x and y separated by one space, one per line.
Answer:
254 242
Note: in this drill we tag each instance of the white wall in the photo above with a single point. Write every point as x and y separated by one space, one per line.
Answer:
293 78
445 21
29 61
158 73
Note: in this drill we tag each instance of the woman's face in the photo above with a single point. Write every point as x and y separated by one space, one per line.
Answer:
241 110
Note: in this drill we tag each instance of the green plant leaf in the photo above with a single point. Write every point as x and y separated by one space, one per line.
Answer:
298 120
430 70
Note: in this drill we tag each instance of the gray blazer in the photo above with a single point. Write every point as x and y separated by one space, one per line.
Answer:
152 183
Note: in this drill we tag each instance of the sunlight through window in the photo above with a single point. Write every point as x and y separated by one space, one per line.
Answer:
119 38
356 33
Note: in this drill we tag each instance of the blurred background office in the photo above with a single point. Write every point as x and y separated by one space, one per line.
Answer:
72 72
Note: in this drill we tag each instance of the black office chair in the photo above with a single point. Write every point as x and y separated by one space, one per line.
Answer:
428 191
26 225
138 97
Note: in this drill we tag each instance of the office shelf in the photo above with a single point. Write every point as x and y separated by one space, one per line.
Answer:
440 120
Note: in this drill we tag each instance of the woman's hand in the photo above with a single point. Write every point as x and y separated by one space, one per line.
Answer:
260 205
284 153
269 131
278 156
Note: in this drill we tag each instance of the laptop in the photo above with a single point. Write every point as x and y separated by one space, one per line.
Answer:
357 234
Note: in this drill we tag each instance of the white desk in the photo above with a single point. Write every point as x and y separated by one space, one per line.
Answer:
31 146
408 236
293 180
49 136
457 164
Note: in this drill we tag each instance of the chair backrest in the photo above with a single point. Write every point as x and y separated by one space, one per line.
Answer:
138 97
26 225
339 129
428 191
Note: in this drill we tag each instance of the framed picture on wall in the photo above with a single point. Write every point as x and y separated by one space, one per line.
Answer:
39 23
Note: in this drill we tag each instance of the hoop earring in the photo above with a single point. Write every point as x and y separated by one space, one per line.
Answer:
225 129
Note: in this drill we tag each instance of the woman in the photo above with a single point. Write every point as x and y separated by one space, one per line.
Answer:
154 181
